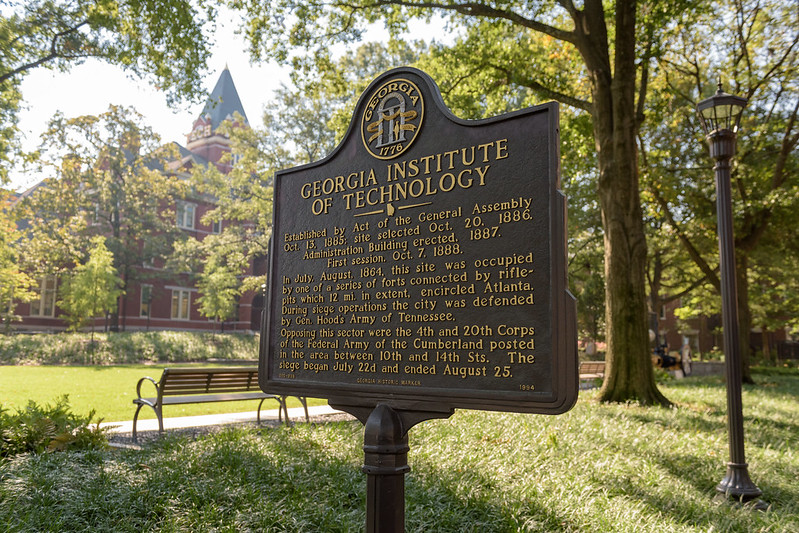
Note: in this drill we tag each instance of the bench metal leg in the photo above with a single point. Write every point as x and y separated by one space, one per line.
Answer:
281 400
305 405
160 416
283 409
136 419
259 408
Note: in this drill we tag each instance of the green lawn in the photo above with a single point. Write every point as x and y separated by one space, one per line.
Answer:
109 390
598 468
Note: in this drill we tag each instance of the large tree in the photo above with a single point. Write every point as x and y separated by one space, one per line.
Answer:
92 288
756 45
163 40
15 283
109 178
608 45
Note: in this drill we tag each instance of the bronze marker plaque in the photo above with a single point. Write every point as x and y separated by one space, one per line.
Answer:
423 263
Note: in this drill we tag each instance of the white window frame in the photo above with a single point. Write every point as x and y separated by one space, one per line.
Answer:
45 305
216 226
183 309
185 213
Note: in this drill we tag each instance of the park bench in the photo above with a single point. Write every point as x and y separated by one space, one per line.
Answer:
200 385
591 370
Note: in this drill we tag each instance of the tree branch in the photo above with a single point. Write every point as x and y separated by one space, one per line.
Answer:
475 9
789 143
513 76
698 283
710 273
54 53
639 109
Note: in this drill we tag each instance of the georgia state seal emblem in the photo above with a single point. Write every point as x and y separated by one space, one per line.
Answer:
392 118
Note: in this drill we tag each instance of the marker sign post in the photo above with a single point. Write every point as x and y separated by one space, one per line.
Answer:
420 268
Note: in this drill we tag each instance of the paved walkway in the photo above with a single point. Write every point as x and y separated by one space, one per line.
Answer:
295 414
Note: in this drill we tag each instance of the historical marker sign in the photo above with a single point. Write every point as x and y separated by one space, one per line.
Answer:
423 263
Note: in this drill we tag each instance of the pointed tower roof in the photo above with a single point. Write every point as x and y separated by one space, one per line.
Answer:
224 101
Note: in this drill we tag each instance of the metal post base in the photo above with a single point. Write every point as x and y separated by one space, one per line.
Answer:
736 484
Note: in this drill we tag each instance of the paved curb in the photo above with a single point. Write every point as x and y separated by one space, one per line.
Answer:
296 414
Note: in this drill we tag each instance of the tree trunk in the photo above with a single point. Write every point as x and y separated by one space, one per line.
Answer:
124 299
115 232
629 375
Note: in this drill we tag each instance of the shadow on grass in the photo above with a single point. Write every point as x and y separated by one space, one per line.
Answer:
688 421
770 384
701 474
778 427
302 486
441 500
309 479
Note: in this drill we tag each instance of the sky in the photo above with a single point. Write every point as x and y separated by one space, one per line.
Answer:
89 88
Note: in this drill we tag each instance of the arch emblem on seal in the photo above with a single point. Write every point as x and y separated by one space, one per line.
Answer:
392 118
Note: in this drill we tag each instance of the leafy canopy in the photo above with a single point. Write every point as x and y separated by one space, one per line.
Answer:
164 41
92 288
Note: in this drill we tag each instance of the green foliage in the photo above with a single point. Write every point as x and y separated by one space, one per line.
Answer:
50 427
337 82
15 284
599 467
92 288
125 347
165 42
10 98
243 203
108 177
291 135
219 290
592 56
755 53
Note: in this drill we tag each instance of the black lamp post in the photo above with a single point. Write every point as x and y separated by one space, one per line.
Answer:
720 115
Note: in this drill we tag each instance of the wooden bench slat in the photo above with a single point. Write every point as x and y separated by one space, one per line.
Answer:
191 385
243 385
201 377
211 370
591 370
205 379
206 398
204 384
215 390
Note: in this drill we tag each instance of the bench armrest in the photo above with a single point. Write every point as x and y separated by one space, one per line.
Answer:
139 384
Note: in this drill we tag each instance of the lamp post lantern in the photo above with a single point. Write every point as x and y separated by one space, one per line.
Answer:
720 116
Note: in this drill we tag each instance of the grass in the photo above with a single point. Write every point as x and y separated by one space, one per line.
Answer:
597 468
109 390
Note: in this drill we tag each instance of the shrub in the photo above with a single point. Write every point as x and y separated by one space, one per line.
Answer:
50 427
125 348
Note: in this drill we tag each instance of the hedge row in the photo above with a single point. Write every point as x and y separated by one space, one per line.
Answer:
125 348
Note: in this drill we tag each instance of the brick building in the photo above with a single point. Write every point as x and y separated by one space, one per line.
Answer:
163 300
703 334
